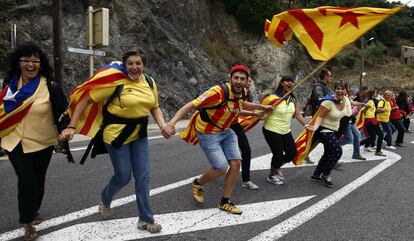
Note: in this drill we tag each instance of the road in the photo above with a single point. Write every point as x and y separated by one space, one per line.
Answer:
371 200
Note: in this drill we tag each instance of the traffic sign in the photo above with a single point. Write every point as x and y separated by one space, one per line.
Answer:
86 51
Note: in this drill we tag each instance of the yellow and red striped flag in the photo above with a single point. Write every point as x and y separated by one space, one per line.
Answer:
304 143
324 31
91 118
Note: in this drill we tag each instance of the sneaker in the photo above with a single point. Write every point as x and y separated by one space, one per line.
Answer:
359 158
327 181
150 227
380 153
250 185
401 145
373 149
308 161
229 207
274 180
368 149
30 232
390 147
280 175
197 191
104 211
315 178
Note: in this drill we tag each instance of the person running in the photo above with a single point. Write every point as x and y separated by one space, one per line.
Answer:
276 128
210 126
331 110
125 119
383 116
395 119
372 126
31 105
404 105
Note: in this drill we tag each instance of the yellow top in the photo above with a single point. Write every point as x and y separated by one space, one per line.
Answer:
370 113
135 101
384 116
37 130
334 115
279 120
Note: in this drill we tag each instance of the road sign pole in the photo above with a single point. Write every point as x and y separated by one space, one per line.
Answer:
90 44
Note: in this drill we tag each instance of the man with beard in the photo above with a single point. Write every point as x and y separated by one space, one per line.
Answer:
216 109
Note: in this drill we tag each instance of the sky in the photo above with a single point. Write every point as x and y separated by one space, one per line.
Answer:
411 4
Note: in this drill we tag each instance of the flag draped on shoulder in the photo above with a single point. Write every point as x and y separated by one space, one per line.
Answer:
324 31
111 75
15 103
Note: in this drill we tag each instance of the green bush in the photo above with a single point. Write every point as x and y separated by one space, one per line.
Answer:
375 52
347 60
251 14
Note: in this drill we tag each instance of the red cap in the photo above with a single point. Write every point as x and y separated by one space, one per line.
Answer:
239 68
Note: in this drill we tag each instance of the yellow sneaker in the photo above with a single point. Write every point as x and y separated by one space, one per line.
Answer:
197 191
229 207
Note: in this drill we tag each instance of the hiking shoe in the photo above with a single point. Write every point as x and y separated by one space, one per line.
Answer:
315 178
197 191
380 153
250 185
274 180
229 207
104 211
30 232
327 181
359 158
37 219
390 147
401 145
150 227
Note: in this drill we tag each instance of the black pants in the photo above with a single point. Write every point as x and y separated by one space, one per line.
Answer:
332 153
373 131
283 147
245 151
31 170
406 123
401 130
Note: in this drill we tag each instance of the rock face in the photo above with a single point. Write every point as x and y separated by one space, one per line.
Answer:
188 43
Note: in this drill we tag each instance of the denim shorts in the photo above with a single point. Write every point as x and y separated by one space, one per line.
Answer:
220 148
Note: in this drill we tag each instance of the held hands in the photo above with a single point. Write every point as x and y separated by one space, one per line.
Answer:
67 134
168 130
309 128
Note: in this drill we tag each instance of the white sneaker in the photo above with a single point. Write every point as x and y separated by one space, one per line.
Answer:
250 185
274 180
373 149
368 149
104 211
390 147
280 175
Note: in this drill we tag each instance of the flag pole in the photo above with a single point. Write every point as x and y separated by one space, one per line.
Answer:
300 82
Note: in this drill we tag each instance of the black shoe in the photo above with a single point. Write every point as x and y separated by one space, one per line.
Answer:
315 178
326 182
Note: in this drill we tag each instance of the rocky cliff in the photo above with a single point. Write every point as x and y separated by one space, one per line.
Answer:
189 43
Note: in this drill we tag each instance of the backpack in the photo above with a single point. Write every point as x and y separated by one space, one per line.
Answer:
311 103
96 144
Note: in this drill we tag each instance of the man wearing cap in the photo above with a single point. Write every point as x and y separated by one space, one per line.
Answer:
216 139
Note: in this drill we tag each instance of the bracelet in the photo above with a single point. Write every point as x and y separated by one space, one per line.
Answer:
170 124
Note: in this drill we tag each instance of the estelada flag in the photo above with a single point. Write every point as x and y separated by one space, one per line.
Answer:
304 143
324 31
91 118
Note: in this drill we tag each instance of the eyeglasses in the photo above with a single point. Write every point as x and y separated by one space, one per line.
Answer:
28 61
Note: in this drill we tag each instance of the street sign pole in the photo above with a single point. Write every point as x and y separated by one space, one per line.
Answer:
90 43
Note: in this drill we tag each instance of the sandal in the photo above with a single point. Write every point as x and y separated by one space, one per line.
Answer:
150 227
30 232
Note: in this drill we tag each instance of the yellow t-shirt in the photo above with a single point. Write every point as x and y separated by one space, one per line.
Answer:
384 116
370 113
222 117
135 101
37 130
280 119
334 115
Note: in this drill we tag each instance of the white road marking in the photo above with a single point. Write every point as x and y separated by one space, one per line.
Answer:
175 223
258 163
302 217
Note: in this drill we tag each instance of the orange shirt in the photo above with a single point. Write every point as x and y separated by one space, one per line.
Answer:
222 117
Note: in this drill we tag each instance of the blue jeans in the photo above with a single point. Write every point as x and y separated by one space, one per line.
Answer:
131 158
220 148
386 127
352 134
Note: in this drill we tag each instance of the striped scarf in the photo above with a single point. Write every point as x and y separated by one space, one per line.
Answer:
16 103
90 120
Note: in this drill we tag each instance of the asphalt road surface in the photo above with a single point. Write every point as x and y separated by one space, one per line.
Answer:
371 200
